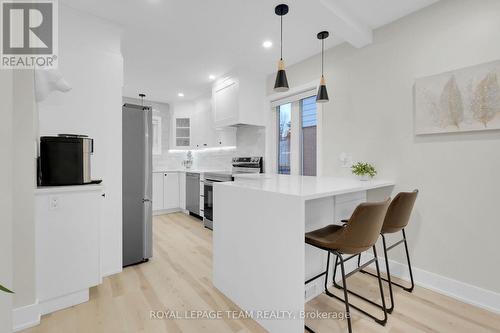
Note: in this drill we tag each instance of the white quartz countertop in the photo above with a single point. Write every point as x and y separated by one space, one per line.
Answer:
68 189
305 187
184 170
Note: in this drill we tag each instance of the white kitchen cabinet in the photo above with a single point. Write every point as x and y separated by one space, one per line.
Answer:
182 132
167 192
225 99
203 134
239 98
158 190
182 190
171 190
345 204
67 244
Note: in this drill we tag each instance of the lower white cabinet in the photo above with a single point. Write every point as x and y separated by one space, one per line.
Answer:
158 189
182 190
67 244
169 191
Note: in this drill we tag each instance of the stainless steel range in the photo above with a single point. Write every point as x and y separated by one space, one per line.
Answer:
240 165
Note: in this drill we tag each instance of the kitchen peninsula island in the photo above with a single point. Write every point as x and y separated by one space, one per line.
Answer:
260 260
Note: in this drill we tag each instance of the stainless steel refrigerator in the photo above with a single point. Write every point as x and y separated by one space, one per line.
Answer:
137 184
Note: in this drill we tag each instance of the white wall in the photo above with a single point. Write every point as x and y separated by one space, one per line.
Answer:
454 228
90 60
6 188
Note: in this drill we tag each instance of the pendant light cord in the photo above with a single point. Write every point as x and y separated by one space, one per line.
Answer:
281 37
322 55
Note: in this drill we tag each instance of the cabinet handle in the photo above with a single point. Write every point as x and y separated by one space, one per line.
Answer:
103 195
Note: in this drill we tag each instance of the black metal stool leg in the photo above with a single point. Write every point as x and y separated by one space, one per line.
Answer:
327 270
391 308
346 298
386 249
348 314
409 264
380 286
382 307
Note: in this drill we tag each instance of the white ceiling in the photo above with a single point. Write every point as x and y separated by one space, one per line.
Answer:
172 46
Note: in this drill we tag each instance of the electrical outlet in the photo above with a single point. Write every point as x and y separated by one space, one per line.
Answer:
54 203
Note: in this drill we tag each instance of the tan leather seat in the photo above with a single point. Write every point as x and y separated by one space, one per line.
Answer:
358 235
399 212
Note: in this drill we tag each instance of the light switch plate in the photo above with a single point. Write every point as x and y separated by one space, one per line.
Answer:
345 160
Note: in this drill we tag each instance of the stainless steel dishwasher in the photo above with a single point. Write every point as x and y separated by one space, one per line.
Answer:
193 192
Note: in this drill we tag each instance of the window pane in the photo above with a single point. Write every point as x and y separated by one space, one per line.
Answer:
309 121
284 121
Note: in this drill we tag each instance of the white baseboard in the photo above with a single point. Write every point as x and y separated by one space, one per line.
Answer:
167 211
29 316
25 317
63 302
461 291
113 272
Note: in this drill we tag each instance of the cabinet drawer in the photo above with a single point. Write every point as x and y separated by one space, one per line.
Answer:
346 204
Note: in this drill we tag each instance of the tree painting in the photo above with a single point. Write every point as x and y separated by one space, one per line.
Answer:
485 103
463 100
451 104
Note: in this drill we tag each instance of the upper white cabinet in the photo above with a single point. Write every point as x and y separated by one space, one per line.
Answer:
203 124
183 131
181 126
193 127
239 98
225 100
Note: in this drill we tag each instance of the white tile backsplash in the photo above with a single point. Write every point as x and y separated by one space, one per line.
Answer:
250 142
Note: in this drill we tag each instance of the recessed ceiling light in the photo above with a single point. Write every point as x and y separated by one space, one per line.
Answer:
211 77
180 94
267 44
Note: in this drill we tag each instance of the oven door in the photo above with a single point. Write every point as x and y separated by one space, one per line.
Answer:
208 205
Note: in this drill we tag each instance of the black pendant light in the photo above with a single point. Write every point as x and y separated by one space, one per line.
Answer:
281 83
322 96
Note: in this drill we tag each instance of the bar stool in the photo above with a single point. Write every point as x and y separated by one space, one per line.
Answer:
359 234
396 219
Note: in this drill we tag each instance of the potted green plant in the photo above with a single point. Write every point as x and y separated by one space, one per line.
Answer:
5 290
363 170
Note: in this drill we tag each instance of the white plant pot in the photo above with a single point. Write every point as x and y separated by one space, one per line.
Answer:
364 177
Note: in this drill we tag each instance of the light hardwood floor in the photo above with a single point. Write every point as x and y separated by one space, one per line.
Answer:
179 277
